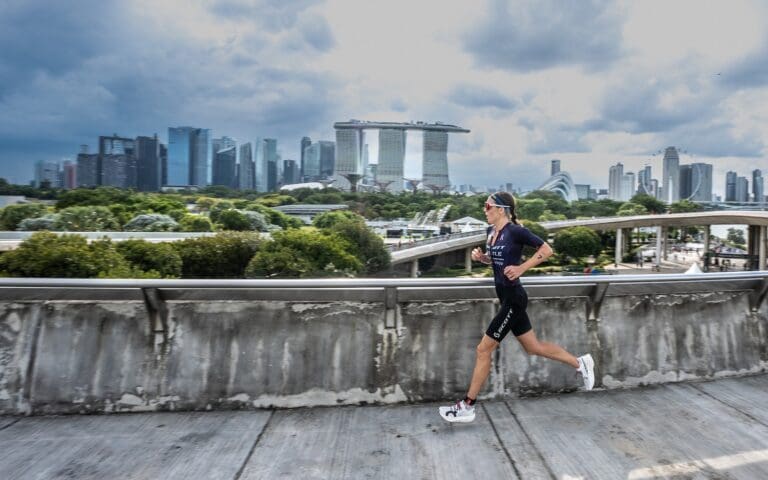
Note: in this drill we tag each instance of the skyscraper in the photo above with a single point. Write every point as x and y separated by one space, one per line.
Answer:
224 170
290 172
312 162
118 170
555 167
305 142
46 173
435 156
615 176
389 169
117 162
758 185
730 186
149 170
87 169
69 175
742 189
264 154
188 152
627 186
644 178
246 168
327 158
164 164
671 175
697 184
349 143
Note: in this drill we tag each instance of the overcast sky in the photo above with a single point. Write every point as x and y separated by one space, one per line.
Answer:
589 83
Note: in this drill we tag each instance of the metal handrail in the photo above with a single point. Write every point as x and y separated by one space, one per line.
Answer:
354 283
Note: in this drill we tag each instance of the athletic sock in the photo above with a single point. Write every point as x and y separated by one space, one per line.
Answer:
469 401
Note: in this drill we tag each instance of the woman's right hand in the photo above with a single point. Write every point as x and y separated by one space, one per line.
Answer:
479 256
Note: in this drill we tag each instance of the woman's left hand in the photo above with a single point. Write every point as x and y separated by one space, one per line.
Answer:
513 271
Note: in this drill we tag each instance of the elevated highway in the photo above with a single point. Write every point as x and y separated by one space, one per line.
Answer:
756 220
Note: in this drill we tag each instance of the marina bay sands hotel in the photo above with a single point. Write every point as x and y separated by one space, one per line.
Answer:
388 172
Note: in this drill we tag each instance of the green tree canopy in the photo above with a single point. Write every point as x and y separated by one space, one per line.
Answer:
651 204
243 220
195 223
151 222
12 215
684 206
594 208
224 255
365 245
628 209
46 254
531 209
577 242
304 253
554 202
329 219
161 258
736 236
87 219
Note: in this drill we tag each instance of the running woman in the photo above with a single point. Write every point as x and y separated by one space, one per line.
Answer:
506 239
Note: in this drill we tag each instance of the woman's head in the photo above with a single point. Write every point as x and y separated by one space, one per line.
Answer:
500 203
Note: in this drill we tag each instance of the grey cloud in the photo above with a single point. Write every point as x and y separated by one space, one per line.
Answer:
398 105
748 72
638 107
272 15
317 33
52 37
559 139
474 96
715 140
142 84
528 35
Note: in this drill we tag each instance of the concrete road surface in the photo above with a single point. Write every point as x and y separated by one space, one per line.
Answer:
707 430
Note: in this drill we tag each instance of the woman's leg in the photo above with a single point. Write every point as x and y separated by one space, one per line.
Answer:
482 365
533 346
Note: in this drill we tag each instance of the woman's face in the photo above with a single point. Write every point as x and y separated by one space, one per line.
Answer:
493 214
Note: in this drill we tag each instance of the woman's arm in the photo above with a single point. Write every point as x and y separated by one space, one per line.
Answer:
542 254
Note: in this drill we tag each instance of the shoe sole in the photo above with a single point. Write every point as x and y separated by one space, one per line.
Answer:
458 419
590 364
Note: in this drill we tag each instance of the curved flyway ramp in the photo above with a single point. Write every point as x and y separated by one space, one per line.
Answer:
721 217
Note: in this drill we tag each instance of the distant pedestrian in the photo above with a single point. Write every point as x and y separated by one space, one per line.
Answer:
505 242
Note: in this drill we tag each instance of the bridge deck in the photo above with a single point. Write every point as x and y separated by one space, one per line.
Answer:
715 429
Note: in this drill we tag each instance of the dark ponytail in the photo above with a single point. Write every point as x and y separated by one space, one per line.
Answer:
506 199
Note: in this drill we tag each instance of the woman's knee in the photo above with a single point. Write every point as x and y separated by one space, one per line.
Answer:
484 349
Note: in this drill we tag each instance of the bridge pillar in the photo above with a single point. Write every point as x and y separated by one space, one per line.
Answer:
415 268
619 245
664 243
468 260
706 247
761 253
659 234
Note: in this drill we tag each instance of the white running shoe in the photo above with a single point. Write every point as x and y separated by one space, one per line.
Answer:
460 412
587 371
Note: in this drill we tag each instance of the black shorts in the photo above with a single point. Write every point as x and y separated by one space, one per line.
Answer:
512 315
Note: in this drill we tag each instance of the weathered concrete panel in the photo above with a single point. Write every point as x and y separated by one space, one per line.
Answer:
91 357
273 353
556 320
18 322
436 344
663 338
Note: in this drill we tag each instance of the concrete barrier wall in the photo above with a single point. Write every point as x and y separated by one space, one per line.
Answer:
77 356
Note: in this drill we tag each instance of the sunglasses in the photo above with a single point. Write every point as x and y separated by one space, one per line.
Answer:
489 206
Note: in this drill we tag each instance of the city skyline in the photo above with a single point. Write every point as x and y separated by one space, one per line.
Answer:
519 75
